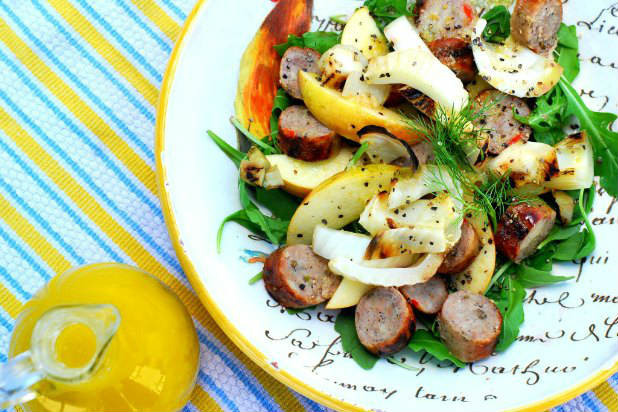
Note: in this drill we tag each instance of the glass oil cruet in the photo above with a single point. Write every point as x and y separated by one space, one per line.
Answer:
103 337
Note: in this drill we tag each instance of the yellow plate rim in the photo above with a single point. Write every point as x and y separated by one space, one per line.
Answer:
215 311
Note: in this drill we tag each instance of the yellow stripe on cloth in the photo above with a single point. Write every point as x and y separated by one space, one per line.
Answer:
159 17
28 233
78 107
9 302
203 401
105 49
142 258
607 395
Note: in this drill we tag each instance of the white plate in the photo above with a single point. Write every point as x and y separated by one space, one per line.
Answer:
569 340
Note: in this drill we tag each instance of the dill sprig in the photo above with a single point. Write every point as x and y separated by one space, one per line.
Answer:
457 146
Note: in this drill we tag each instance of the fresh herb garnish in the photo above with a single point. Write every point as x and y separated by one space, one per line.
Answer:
234 154
498 24
344 325
281 102
357 155
319 41
423 340
261 144
385 11
256 278
274 228
509 298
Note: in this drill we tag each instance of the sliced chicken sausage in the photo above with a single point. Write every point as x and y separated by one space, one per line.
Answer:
463 253
456 54
419 100
384 321
522 227
470 325
498 120
427 297
439 19
298 278
535 24
302 136
293 60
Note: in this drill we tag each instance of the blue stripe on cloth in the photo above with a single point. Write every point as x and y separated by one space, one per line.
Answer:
6 324
63 205
13 283
42 222
216 389
134 53
168 258
81 86
590 403
73 127
17 247
3 358
259 395
84 53
175 9
315 407
127 9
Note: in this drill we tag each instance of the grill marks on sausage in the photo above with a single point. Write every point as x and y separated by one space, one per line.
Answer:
522 227
535 24
456 54
470 325
502 127
295 59
463 252
384 321
302 136
428 297
298 278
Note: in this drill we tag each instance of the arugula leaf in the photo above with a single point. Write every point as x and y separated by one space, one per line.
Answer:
385 11
558 233
280 203
578 216
542 259
548 117
567 51
319 41
604 141
423 340
234 154
281 102
355 227
530 277
344 325
261 144
510 302
294 311
357 155
275 229
498 24
242 219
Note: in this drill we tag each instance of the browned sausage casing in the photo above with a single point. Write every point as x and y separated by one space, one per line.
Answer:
498 120
535 24
522 227
463 253
456 54
302 136
428 297
298 278
470 325
384 321
293 60
439 19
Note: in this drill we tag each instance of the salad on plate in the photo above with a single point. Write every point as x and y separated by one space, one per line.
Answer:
422 168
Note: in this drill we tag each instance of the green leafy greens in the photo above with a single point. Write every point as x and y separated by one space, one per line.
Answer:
281 102
423 340
385 11
319 41
498 26
344 325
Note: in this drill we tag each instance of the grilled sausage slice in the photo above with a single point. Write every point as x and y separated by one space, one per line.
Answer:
522 227
384 321
439 19
302 136
470 325
293 60
498 120
535 24
419 100
298 278
427 297
463 252
456 54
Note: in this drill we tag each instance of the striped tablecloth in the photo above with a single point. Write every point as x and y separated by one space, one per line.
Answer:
79 81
